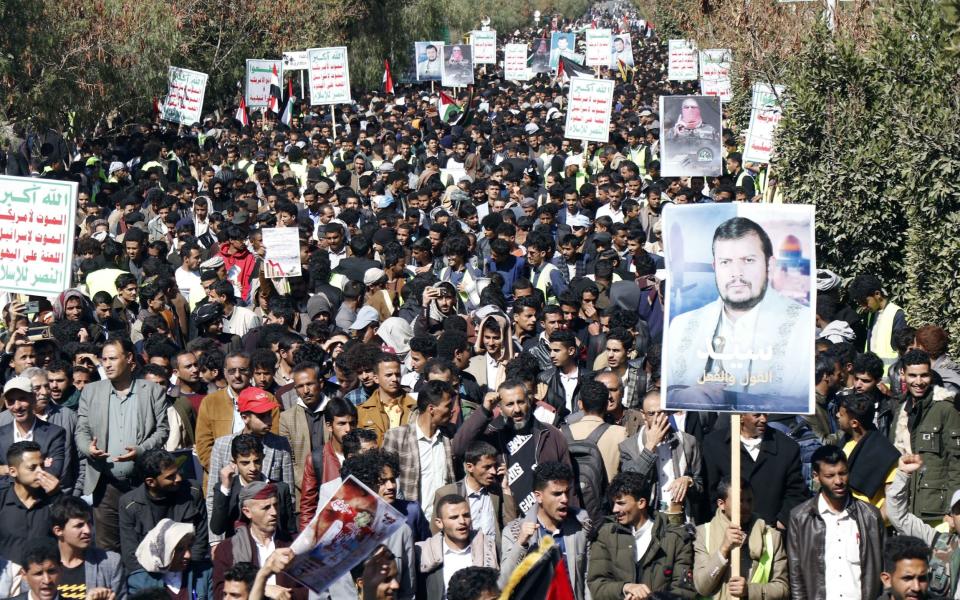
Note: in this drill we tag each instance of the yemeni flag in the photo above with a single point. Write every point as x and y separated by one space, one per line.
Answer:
387 78
242 113
273 104
541 575
287 115
447 108
571 69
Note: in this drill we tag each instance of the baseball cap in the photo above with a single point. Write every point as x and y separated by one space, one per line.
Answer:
255 400
578 221
18 383
373 275
366 316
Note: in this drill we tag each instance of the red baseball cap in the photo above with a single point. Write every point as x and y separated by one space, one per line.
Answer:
255 400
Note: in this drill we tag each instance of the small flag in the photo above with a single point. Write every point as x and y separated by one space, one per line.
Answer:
242 113
570 68
541 575
447 108
273 104
287 115
387 78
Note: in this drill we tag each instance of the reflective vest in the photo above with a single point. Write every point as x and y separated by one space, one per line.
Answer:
541 281
882 333
639 158
761 574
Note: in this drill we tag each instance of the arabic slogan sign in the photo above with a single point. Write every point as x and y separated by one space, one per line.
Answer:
715 74
283 252
184 101
764 119
588 109
296 60
36 234
598 47
342 534
515 62
681 60
484 47
739 316
329 76
259 73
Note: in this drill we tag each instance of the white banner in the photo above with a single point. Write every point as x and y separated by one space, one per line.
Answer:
297 60
329 76
184 101
765 116
589 104
598 47
681 60
283 252
515 62
36 234
257 84
715 73
484 47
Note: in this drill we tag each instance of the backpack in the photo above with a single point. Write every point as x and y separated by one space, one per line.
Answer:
801 432
589 471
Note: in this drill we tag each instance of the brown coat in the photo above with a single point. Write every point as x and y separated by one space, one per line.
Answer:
215 419
372 416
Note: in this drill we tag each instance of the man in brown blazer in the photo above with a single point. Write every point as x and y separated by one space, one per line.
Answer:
491 504
389 405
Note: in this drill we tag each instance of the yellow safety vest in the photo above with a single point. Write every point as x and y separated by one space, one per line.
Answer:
639 158
764 566
542 282
882 333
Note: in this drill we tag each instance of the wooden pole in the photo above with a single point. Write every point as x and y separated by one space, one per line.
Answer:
734 498
303 93
333 123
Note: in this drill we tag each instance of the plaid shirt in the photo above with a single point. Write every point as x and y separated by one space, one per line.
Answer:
277 464
357 396
403 441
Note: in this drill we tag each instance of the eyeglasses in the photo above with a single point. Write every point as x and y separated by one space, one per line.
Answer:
241 370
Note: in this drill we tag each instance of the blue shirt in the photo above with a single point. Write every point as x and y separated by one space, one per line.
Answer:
512 269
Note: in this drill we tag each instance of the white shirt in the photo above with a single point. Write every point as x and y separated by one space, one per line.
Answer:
642 538
569 383
752 446
264 552
26 437
493 367
237 420
453 561
186 280
481 510
240 321
841 553
433 468
607 211
336 257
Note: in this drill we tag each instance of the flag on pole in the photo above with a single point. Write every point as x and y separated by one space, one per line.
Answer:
541 575
242 113
287 115
447 108
273 104
570 68
387 78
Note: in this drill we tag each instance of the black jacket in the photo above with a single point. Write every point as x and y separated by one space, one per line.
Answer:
226 509
139 513
556 396
19 524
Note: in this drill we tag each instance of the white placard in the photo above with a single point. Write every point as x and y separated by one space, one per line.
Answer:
515 62
681 60
329 76
765 116
589 104
598 47
283 252
257 83
484 47
715 73
296 60
184 100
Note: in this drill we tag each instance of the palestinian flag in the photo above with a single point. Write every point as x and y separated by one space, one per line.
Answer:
447 108
541 575
273 104
387 78
287 115
242 113
571 69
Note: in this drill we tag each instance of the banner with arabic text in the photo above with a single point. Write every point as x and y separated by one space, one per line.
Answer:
257 81
183 103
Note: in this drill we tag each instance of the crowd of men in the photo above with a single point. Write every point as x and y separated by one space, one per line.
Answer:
475 337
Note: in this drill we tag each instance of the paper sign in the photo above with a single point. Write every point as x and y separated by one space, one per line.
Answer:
429 59
621 51
681 60
259 74
690 136
184 101
515 62
329 76
561 44
598 47
342 535
715 73
457 68
763 364
589 104
283 252
484 47
36 234
765 116
297 60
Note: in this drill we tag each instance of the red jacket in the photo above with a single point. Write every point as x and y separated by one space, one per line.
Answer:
310 487
240 268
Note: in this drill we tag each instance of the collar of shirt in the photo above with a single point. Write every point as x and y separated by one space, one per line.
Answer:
28 436
422 436
303 405
448 550
746 323
570 378
474 493
825 509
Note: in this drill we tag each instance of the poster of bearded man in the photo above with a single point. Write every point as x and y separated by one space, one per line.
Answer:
690 139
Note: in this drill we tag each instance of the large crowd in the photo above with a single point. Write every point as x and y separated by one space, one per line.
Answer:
475 336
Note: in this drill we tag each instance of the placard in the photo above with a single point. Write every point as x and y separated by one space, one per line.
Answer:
540 58
589 104
184 100
561 44
515 62
738 318
37 218
283 252
329 76
429 59
690 137
296 60
765 114
715 73
681 60
457 68
598 47
484 47
621 50
257 83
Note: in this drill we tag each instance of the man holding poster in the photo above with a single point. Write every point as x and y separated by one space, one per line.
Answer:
739 327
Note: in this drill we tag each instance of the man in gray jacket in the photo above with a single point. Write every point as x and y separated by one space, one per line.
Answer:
80 561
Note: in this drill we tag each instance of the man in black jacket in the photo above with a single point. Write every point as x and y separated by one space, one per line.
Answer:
770 461
564 379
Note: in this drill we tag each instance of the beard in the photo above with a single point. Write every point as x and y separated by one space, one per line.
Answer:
514 426
748 303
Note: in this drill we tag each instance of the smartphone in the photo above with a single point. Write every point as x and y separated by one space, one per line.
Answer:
38 332
32 307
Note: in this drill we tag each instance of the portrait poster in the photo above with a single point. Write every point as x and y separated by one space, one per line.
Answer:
257 82
589 104
561 44
296 60
539 60
515 62
690 138
739 323
765 113
484 45
429 60
598 44
681 60
183 103
342 535
715 73
457 70
621 50
37 219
